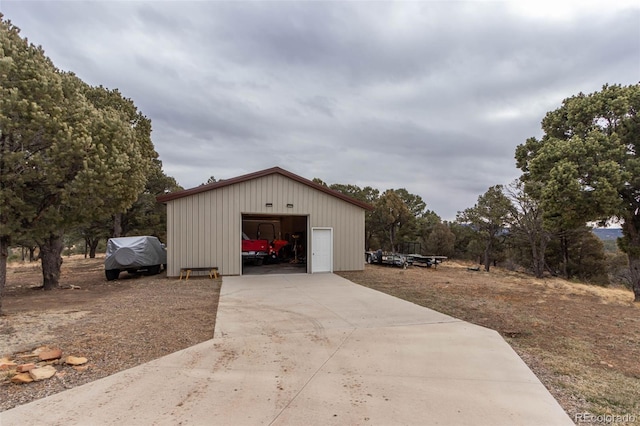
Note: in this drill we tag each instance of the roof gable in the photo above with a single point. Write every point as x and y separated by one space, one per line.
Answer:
244 178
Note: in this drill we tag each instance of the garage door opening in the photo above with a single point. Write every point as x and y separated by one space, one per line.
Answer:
274 244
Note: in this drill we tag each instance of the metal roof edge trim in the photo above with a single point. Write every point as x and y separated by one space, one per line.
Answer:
255 175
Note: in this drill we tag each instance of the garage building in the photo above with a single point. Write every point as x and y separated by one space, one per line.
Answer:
318 229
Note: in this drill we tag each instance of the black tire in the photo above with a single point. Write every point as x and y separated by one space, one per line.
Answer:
369 259
154 270
112 274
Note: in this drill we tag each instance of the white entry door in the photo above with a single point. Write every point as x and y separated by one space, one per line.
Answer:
321 250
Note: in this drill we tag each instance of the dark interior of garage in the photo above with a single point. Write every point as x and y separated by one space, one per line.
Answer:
274 244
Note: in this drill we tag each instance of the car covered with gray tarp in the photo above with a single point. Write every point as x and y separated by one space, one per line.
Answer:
134 254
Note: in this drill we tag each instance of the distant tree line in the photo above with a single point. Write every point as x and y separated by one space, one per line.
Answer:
496 230
584 170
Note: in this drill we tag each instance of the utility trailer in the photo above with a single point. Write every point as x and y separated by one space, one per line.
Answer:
425 261
380 257
412 250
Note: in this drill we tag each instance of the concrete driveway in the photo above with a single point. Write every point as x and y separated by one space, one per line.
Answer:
316 350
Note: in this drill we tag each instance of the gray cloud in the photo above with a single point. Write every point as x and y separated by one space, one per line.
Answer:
430 96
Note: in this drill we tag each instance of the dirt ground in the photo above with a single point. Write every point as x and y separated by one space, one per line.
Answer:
114 324
583 342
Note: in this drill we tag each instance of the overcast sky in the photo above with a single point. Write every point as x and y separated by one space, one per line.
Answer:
431 96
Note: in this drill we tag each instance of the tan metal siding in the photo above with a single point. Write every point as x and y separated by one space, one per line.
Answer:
204 229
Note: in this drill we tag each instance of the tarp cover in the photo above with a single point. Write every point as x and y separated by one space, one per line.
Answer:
134 252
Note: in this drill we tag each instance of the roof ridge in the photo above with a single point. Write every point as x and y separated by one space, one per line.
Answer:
255 175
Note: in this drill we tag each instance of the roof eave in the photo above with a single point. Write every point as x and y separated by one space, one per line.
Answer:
274 170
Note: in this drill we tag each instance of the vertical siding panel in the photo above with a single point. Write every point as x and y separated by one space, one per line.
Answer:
184 211
207 231
201 212
256 197
215 233
251 199
224 209
170 240
211 226
219 234
236 251
186 229
193 231
176 246
339 229
186 237
284 191
247 198
338 235
234 208
351 227
228 228
301 195
245 194
259 193
224 228
273 192
356 241
275 187
193 234
184 207
177 230
188 206
258 203
182 230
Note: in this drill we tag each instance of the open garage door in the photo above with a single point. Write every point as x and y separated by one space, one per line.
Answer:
275 244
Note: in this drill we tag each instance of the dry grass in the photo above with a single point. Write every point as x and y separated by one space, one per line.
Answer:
115 324
582 341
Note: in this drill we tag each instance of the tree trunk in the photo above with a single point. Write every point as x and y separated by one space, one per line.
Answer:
90 246
538 249
631 241
634 268
93 245
487 256
564 245
4 255
50 253
117 225
535 259
392 235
